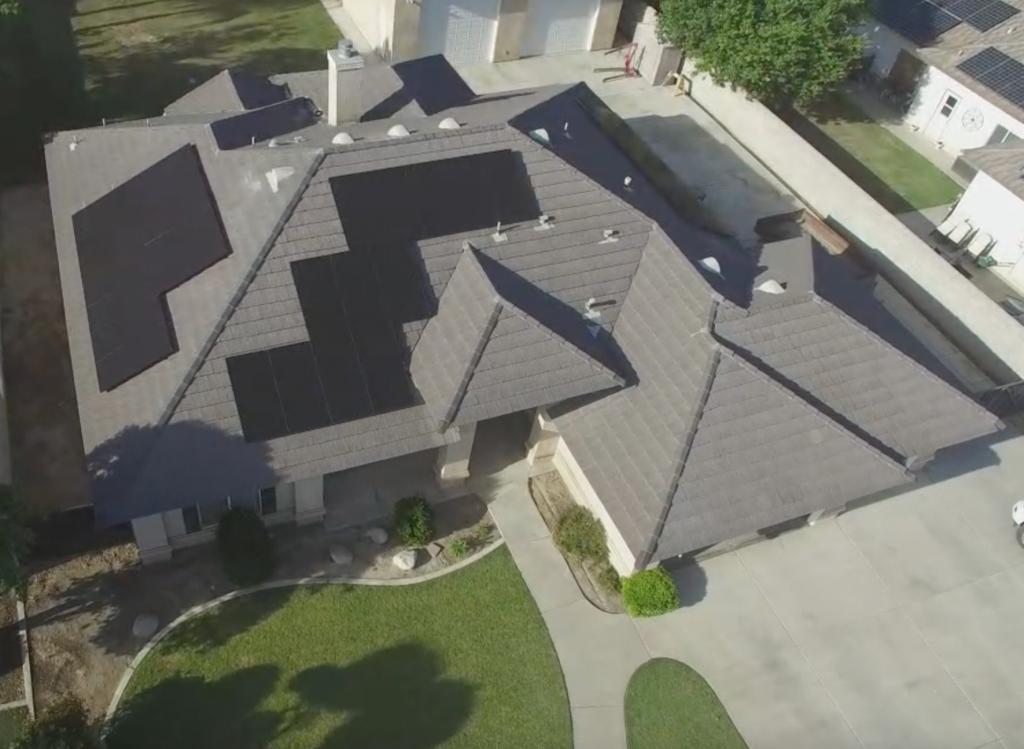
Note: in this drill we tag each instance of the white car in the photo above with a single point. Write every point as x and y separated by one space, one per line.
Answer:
1018 520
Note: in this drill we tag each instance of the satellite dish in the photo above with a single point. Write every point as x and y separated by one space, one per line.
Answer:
771 286
342 139
711 264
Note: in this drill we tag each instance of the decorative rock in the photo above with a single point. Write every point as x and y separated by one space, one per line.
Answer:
377 535
405 559
341 555
435 549
145 626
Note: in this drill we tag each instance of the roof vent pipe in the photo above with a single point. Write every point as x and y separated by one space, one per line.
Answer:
449 123
544 223
398 131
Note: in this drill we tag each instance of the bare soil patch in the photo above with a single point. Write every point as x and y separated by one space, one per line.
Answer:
81 609
552 498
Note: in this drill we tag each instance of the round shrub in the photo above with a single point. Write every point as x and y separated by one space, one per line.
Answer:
65 725
246 549
650 593
580 534
459 548
414 521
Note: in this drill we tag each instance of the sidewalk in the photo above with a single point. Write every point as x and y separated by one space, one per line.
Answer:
598 652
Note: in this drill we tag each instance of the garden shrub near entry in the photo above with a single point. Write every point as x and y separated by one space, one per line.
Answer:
581 534
65 725
414 521
650 593
246 549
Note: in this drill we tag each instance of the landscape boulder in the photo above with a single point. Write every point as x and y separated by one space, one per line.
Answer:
405 559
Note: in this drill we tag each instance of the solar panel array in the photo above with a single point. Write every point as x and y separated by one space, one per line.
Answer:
922 21
999 72
258 125
354 303
136 243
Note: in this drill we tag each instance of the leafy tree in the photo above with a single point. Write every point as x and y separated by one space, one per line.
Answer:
63 726
14 541
780 51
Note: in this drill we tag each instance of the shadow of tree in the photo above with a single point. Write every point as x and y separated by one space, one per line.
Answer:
397 698
691 580
191 712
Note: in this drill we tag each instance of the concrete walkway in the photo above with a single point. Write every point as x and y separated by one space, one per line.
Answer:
598 652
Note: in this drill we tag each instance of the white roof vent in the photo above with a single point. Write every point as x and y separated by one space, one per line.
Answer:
771 286
541 136
343 139
711 264
398 131
449 123
277 175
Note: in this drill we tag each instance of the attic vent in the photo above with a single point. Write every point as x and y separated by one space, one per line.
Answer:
711 264
771 286
277 175
541 136
449 123
398 131
342 139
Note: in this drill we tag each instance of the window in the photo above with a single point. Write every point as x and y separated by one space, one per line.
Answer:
949 105
193 523
1001 135
268 500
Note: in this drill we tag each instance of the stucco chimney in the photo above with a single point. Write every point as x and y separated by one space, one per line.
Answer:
344 102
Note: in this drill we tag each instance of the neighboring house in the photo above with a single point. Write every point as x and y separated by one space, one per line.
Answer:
961 62
469 31
260 298
993 208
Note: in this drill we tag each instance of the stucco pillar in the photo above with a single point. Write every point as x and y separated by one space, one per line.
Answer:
605 24
309 500
511 22
405 36
453 460
151 538
543 440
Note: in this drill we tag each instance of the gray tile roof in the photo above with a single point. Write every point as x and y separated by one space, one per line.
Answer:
1003 162
228 91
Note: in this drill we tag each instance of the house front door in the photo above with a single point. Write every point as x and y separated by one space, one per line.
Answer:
936 127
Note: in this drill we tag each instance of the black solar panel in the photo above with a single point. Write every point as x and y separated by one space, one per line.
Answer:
999 72
991 15
920 21
354 303
258 125
136 243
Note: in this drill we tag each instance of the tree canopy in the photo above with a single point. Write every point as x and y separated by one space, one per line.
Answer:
780 51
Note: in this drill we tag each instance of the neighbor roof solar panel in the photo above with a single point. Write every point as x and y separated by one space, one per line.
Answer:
355 302
990 15
921 21
142 239
999 72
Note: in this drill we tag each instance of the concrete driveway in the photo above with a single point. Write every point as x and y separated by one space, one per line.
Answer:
897 624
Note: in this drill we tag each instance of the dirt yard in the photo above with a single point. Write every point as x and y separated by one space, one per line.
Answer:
46 444
81 610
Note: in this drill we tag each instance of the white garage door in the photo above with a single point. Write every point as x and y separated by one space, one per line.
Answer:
462 30
554 26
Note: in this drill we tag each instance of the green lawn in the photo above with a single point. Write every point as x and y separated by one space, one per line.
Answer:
670 706
138 55
887 168
11 722
461 661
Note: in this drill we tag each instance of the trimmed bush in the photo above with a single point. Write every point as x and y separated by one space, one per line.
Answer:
414 521
63 726
246 549
458 548
650 593
580 534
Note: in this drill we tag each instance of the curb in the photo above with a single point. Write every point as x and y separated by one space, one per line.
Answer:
273 585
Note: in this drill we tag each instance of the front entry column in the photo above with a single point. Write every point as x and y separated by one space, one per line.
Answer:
453 460
543 440
309 500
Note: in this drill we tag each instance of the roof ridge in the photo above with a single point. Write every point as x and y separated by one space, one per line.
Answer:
414 136
795 397
873 336
710 373
239 293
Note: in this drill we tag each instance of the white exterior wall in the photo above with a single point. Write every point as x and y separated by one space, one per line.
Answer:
376 21
991 208
151 538
953 136
619 555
